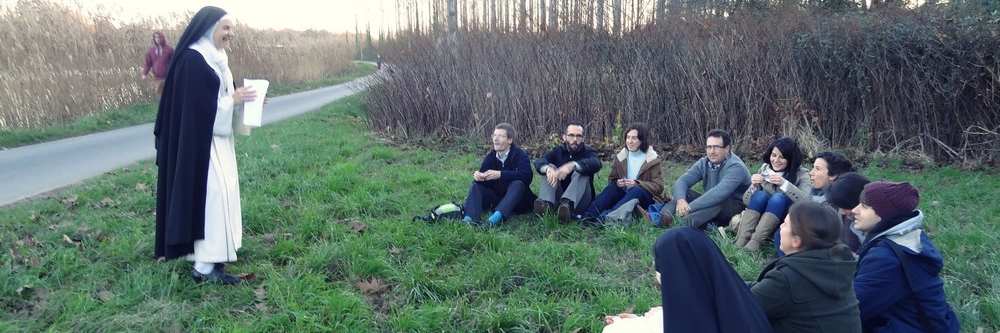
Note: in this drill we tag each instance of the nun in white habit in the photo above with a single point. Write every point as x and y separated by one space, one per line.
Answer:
198 193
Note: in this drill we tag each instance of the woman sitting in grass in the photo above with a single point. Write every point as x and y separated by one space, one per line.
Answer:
898 283
635 179
810 288
843 196
780 182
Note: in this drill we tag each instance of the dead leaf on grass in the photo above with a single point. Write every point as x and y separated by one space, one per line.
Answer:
372 286
104 296
358 227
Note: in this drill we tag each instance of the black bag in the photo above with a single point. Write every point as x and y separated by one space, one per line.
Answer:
451 211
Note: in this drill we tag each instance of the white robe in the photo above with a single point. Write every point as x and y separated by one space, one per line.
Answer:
223 220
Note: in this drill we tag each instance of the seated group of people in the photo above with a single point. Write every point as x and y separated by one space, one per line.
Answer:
635 184
852 255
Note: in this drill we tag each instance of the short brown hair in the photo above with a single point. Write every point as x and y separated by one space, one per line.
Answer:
722 134
506 127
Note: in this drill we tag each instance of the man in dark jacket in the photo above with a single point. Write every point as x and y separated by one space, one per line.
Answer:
569 171
502 181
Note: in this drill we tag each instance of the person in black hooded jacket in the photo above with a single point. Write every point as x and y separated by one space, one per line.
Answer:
810 289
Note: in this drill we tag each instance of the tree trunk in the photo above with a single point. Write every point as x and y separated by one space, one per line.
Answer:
522 22
542 14
452 16
616 13
661 9
506 15
554 14
600 15
493 14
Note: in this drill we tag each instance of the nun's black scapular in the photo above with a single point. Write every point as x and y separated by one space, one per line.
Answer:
183 133
700 291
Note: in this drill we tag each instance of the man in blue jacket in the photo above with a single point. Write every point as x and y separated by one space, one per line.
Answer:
569 170
501 184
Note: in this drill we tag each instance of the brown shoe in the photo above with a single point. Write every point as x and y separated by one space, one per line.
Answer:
666 219
541 206
748 223
565 212
644 213
765 228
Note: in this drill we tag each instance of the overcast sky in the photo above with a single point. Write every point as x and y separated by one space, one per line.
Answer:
331 15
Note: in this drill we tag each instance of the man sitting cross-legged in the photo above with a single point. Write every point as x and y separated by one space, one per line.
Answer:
569 169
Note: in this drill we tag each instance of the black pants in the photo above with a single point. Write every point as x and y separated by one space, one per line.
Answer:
482 198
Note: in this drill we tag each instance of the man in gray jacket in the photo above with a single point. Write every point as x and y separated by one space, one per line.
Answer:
724 178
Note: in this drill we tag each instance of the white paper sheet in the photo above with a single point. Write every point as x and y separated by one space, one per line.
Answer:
253 111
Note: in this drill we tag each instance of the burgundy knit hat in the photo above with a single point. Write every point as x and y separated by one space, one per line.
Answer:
890 199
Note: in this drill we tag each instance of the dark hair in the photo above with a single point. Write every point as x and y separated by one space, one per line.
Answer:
643 133
718 133
790 151
506 127
574 123
836 163
816 224
845 191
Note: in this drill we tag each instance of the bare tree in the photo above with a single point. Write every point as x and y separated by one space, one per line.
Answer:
522 13
542 13
616 12
493 14
506 15
452 16
554 14
600 15
661 10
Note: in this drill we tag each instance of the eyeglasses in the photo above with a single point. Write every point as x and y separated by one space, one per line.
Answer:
713 147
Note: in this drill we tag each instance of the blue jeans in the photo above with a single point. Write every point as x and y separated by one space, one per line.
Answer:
776 204
613 196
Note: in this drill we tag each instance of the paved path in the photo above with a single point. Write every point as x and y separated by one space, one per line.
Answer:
31 170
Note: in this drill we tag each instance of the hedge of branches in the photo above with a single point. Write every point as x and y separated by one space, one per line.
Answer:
887 81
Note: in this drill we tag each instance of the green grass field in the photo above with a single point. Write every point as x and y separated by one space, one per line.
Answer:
327 231
146 112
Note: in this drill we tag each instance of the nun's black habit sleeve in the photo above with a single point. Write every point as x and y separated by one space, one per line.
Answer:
183 142
700 290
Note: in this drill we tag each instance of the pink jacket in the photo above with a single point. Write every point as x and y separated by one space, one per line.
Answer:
158 57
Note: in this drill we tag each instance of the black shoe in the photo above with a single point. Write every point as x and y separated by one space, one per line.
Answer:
542 206
217 275
565 212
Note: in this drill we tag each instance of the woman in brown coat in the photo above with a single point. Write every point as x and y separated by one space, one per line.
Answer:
635 175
